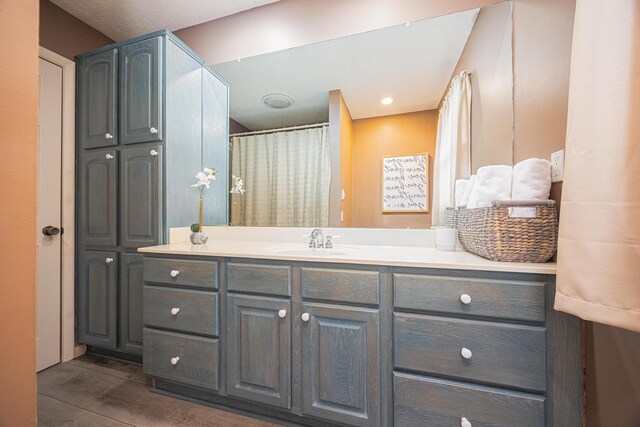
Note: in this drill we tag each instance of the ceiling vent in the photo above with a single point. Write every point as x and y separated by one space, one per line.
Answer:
278 101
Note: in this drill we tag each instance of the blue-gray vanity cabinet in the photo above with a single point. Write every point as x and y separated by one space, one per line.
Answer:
259 349
131 285
98 196
97 296
341 364
141 91
140 196
97 99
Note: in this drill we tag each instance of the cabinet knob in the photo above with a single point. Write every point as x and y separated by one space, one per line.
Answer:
108 260
175 360
153 130
108 136
175 310
465 299
108 156
464 422
174 273
282 313
466 353
153 153
305 317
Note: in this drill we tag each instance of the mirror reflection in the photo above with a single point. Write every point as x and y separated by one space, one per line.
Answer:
370 130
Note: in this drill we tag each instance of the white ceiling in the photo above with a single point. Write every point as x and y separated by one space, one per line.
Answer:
123 19
412 63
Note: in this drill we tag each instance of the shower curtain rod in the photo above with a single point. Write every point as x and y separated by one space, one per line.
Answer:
258 132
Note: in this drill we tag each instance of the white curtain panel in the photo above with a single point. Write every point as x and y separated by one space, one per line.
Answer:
453 145
286 177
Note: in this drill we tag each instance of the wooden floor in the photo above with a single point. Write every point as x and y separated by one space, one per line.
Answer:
93 391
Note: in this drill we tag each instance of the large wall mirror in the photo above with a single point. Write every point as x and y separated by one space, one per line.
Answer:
344 132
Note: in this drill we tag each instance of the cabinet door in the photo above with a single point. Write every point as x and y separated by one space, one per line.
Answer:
97 89
141 196
97 298
131 289
259 354
341 364
98 197
141 91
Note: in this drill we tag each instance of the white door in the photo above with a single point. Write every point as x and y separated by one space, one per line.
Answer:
48 238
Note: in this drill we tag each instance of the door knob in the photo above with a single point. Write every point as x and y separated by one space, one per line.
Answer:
465 299
305 317
174 273
466 353
282 314
108 260
465 422
175 360
153 130
50 230
108 156
175 311
108 136
153 153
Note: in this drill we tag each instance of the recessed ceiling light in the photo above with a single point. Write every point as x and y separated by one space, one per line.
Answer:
278 101
386 101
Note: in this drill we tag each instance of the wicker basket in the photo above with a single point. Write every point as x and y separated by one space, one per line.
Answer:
493 234
450 218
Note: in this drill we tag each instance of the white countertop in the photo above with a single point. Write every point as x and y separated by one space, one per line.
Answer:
400 256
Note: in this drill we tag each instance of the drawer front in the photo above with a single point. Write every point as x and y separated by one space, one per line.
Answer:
195 311
259 278
341 285
181 272
421 401
500 354
490 298
197 361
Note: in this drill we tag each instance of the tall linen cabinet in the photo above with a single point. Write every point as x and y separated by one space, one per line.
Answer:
150 115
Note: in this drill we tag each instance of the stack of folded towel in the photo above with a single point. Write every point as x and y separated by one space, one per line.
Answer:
528 180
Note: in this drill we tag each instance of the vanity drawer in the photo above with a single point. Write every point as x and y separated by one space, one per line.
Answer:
491 298
181 272
259 278
510 355
422 401
197 358
197 310
329 284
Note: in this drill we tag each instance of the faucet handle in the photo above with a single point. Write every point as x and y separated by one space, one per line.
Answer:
328 242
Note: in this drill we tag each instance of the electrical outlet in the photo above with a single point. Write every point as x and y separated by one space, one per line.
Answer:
557 166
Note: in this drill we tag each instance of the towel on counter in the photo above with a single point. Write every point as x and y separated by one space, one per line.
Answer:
531 181
464 199
492 183
461 187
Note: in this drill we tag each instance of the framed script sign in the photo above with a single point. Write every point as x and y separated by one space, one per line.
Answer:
405 186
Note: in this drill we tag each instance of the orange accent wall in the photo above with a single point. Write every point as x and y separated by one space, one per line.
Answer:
18 137
375 138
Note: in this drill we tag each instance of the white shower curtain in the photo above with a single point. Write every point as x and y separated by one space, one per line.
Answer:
453 145
286 177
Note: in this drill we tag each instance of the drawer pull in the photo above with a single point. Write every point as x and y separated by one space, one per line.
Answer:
175 360
153 153
465 422
108 136
305 317
108 156
108 260
465 298
153 130
175 310
174 273
466 353
282 313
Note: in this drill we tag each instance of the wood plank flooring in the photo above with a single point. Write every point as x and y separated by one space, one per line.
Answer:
94 391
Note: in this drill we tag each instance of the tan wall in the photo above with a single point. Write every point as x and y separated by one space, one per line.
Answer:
346 157
377 137
18 133
65 34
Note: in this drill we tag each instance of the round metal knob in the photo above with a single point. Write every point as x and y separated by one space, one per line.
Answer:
465 299
108 136
153 130
175 310
108 156
305 317
108 260
50 230
464 422
174 273
153 153
466 353
282 313
175 360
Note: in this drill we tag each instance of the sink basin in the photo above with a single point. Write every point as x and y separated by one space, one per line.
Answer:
337 251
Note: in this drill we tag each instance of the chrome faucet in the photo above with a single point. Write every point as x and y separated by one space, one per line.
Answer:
316 235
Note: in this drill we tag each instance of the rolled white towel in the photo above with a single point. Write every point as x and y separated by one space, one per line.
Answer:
467 192
461 186
531 181
492 183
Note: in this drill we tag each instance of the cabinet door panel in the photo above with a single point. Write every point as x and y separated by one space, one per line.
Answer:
97 91
341 364
259 356
131 286
141 196
141 91
98 198
97 298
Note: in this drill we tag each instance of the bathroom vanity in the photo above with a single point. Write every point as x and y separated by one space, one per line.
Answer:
363 336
